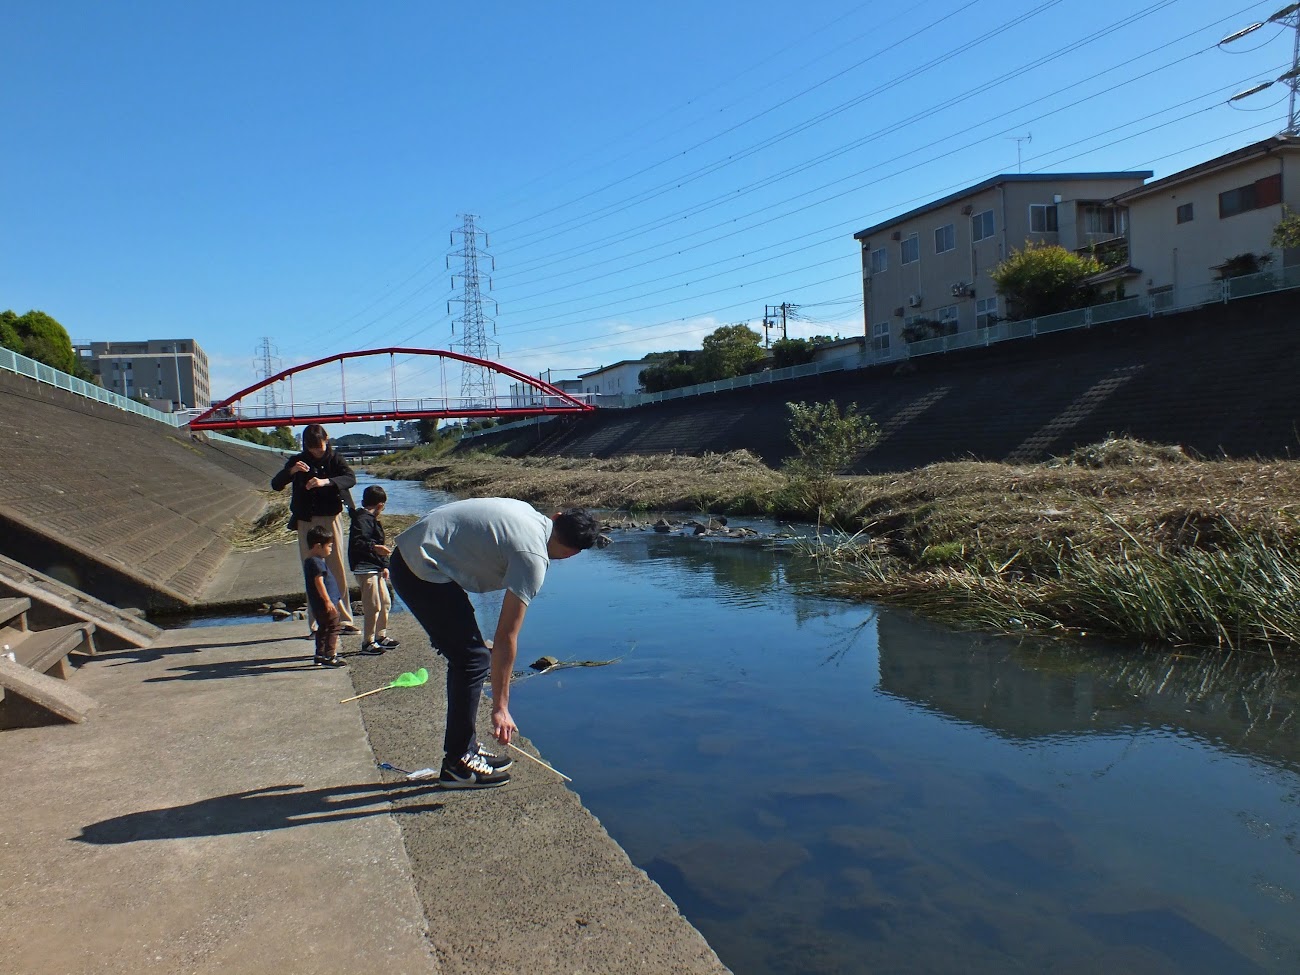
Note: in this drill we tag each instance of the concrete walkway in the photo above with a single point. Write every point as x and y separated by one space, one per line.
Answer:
222 812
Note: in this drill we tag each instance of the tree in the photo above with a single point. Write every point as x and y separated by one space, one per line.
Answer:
9 338
826 442
730 350
1044 279
1286 234
41 338
671 370
791 352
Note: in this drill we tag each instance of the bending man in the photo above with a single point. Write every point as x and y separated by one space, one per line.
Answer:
480 545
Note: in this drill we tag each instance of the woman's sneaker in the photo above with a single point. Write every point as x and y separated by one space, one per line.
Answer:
470 772
388 643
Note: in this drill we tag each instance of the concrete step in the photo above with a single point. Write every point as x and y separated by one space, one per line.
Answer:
54 603
13 609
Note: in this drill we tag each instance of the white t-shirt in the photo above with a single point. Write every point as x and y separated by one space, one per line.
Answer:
482 544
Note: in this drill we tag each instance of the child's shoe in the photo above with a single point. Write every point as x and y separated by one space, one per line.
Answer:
388 643
334 661
372 649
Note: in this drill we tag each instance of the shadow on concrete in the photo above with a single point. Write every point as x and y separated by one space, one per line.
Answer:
258 810
225 669
146 655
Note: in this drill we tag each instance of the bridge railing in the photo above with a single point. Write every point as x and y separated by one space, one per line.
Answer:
304 412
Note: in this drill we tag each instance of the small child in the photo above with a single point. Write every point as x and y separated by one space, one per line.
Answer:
323 595
368 558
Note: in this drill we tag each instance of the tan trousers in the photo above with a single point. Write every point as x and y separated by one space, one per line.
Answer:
376 601
335 562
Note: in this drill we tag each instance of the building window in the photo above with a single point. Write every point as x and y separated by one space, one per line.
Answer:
1262 193
947 315
1184 213
945 239
981 225
879 260
909 251
1042 218
880 337
986 312
1105 220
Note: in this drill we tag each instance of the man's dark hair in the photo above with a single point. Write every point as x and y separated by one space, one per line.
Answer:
318 535
314 435
373 495
576 528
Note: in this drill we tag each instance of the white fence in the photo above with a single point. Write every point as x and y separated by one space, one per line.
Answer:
14 362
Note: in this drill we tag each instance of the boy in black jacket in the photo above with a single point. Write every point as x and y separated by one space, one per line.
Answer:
321 482
368 557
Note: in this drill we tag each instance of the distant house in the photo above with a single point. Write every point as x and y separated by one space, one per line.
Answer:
616 380
1185 227
933 263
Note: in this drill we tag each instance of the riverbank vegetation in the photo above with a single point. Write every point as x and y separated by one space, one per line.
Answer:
1121 539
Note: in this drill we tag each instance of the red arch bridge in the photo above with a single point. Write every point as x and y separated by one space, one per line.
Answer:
291 403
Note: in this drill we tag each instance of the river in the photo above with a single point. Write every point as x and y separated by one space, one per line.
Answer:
833 787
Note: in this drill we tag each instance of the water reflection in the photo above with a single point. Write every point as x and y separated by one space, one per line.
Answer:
1036 689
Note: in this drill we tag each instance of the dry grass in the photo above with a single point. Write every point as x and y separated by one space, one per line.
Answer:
271 527
736 481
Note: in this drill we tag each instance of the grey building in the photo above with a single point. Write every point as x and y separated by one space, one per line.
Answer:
931 264
171 370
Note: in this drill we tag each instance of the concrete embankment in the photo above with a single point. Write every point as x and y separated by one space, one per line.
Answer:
125 508
1220 381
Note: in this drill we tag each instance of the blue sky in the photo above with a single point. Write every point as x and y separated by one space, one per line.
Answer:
645 172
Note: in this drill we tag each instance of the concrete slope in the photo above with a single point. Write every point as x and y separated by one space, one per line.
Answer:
126 509
1220 381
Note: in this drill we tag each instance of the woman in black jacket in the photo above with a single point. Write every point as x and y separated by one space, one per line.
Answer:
322 482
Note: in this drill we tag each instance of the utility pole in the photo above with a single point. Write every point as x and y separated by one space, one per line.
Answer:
267 360
1288 16
477 383
785 310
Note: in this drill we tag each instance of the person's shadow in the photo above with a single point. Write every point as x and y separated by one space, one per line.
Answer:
258 810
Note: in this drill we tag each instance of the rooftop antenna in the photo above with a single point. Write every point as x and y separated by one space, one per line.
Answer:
1027 137
1288 16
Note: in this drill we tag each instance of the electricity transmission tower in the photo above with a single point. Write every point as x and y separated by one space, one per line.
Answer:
1288 16
477 383
267 366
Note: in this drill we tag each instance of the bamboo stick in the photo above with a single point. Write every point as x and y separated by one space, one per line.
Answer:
538 761
357 697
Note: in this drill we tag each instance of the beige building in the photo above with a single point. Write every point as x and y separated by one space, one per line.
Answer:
1186 226
174 371
931 264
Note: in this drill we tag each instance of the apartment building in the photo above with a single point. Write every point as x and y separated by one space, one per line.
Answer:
171 370
1187 226
931 264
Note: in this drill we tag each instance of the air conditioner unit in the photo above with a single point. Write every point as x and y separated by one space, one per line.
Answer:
913 301
898 312
962 290
896 235
967 210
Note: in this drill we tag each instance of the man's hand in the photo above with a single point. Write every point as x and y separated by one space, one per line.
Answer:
317 482
503 726
299 468
383 550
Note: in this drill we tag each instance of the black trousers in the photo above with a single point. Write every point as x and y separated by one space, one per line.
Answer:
445 612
